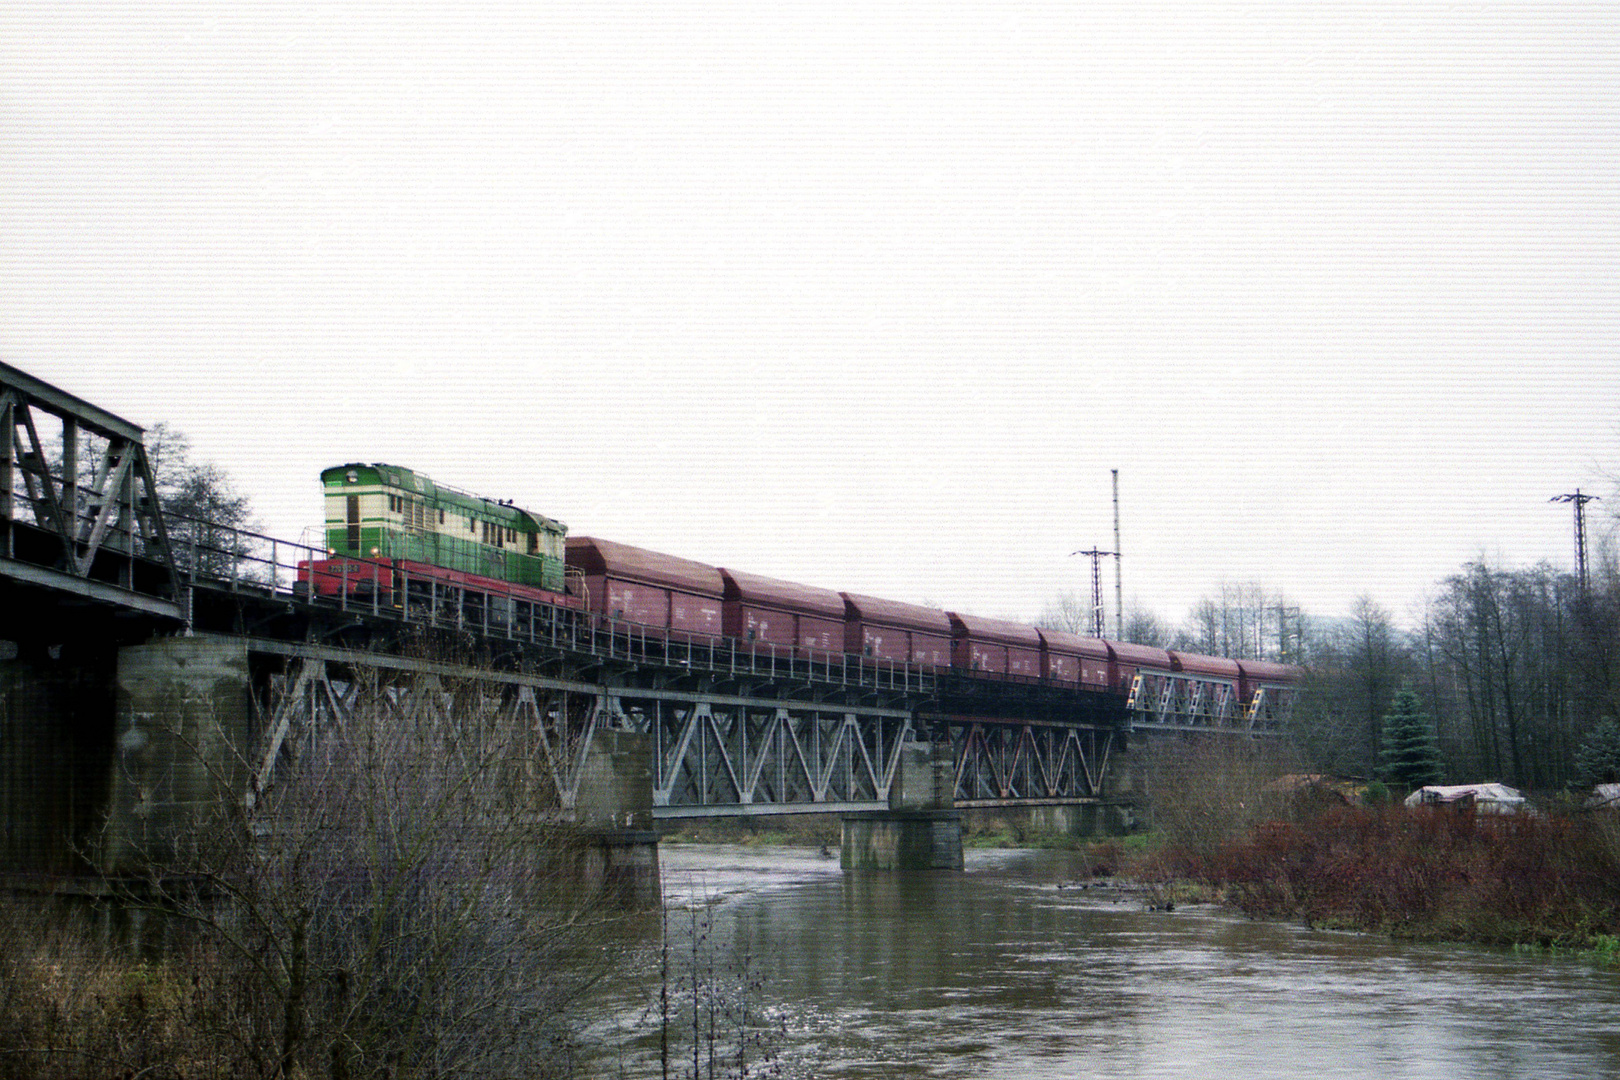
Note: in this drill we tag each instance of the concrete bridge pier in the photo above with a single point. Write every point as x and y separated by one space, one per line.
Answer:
56 710
1087 820
618 851
920 830
182 740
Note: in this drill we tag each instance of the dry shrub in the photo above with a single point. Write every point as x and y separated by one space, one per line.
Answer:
71 1005
1205 792
402 899
1426 873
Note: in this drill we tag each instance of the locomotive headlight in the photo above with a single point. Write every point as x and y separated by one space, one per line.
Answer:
352 477
374 551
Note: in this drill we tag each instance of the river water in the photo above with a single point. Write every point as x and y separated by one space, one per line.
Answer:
1000 972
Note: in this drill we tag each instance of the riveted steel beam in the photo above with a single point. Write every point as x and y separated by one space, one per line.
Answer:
96 532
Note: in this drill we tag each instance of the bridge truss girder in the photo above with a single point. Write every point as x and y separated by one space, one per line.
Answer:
712 754
717 755
1174 702
89 528
1001 762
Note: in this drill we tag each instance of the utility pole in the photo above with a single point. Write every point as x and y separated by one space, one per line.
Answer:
1119 588
1096 588
1287 654
1580 502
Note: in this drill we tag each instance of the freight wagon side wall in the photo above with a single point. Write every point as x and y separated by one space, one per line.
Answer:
821 635
879 642
693 614
635 602
762 625
933 650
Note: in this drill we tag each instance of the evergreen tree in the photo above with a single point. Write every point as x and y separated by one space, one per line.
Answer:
1598 759
1411 754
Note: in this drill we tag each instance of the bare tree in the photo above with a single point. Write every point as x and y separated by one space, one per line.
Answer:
1072 614
1522 668
203 511
1244 621
1066 612
403 899
1143 627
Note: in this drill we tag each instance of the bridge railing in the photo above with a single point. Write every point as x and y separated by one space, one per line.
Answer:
236 560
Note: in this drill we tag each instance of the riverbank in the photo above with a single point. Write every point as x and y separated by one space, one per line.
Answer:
1422 875
980 829
1011 970
1417 875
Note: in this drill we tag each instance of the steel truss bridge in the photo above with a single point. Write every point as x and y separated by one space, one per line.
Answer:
734 728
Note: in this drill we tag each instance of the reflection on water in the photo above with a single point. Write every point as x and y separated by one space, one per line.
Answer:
999 973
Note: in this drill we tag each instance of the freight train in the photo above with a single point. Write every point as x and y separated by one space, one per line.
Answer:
394 536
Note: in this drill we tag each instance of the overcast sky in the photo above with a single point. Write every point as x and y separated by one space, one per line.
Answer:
868 295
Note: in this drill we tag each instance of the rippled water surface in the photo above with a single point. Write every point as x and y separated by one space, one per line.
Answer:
998 972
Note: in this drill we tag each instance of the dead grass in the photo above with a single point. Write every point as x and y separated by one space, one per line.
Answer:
72 1005
1419 873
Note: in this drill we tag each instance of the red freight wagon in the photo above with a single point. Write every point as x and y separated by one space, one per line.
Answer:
890 630
648 587
1208 668
1071 658
1258 673
995 647
1130 659
772 612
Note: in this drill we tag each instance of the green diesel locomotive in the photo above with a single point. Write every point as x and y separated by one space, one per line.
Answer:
390 518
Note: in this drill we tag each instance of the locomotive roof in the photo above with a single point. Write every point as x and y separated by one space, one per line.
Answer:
442 495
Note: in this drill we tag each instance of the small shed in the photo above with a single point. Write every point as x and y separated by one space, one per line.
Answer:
1484 798
1604 797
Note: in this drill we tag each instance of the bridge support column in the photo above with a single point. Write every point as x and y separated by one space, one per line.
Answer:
181 740
1081 819
618 844
920 830
55 744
